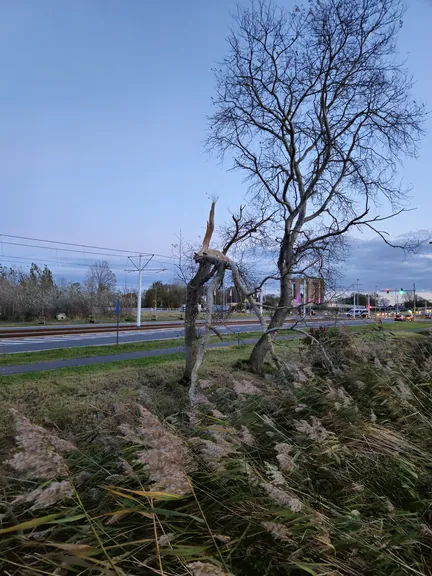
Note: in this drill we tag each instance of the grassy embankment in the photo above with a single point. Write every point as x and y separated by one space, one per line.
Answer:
324 469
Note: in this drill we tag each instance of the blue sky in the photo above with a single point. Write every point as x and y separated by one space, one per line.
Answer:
104 109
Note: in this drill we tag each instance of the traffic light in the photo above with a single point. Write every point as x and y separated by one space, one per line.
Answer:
401 291
388 290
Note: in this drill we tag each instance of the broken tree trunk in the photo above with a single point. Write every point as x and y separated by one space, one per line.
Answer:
193 291
208 326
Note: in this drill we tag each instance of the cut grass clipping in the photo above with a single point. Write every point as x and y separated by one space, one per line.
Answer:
323 467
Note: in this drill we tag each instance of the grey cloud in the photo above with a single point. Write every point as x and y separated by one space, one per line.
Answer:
377 264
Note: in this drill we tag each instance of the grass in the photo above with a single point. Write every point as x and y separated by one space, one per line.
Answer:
321 468
76 398
395 326
84 352
19 358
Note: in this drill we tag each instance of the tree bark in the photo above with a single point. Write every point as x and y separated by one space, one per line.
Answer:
201 349
264 344
191 316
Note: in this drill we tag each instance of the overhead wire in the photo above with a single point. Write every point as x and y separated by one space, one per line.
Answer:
58 263
77 245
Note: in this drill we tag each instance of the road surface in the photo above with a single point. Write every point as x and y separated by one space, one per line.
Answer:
33 344
57 364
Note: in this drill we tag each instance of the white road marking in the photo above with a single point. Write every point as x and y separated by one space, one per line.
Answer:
64 338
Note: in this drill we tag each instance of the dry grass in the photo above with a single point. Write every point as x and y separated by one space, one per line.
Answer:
325 472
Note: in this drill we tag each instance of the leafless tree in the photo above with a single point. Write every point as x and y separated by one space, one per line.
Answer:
100 283
211 266
185 265
317 112
100 277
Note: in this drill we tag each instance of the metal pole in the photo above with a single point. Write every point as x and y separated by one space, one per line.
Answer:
304 296
368 304
118 319
358 294
397 301
414 298
261 301
138 320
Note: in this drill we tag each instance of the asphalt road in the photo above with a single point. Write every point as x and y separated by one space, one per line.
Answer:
33 344
57 364
48 327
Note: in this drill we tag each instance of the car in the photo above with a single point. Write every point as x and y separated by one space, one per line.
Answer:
403 317
357 313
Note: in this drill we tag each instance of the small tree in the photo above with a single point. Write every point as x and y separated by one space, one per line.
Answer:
316 112
100 283
211 267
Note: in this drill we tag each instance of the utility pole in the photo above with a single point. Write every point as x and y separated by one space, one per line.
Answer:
139 268
304 296
414 300
138 321
368 303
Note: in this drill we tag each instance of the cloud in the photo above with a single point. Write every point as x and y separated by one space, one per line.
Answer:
375 263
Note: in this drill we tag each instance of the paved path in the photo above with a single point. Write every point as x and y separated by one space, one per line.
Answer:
57 364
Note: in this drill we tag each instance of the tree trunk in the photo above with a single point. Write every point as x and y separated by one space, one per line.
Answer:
218 278
263 346
191 315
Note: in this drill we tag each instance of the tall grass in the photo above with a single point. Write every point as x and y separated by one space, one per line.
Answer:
326 470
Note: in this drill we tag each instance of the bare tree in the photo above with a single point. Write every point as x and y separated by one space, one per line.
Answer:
211 266
100 283
317 112
100 278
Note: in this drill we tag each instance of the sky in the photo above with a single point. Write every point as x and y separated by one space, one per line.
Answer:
104 108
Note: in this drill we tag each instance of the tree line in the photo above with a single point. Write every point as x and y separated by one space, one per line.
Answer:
27 295
31 294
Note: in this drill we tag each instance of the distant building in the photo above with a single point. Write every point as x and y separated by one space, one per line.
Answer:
308 291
